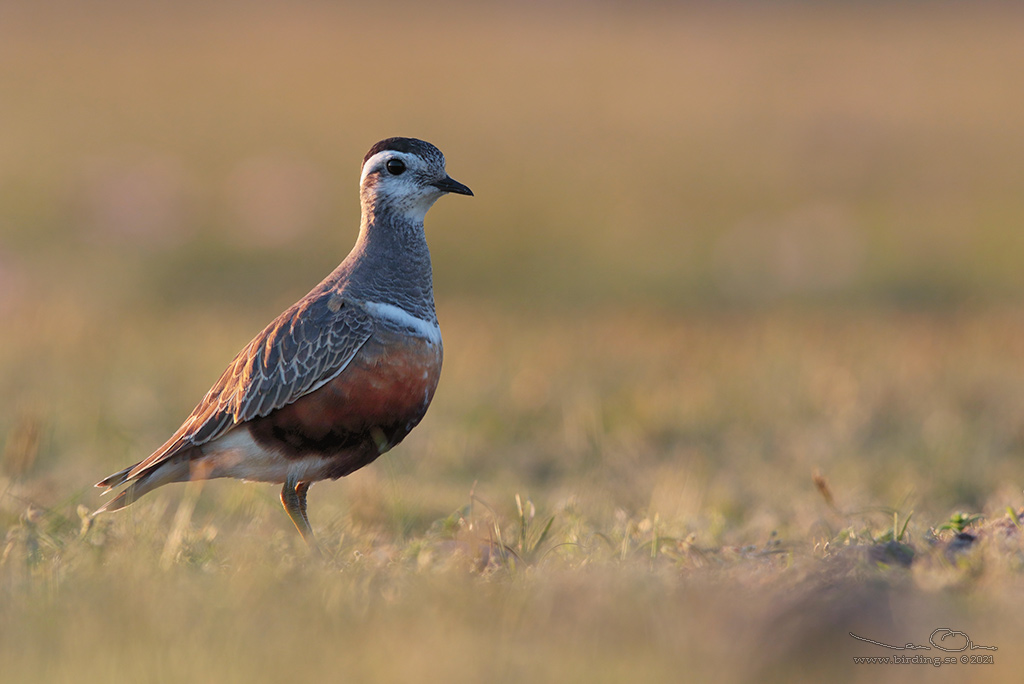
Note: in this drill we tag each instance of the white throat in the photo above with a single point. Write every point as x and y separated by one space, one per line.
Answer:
402 195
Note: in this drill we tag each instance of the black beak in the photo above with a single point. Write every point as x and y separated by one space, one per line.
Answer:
449 184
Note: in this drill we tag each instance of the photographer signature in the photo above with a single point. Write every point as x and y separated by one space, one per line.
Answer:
944 632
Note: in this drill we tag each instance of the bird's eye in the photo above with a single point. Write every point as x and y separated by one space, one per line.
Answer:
396 167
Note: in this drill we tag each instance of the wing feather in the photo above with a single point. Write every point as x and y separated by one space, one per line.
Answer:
305 347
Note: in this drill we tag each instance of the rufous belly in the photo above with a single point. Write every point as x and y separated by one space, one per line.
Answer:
370 407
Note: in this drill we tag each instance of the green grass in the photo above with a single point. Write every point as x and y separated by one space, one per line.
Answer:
734 351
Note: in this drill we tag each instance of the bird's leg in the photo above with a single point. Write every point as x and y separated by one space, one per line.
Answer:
300 492
293 497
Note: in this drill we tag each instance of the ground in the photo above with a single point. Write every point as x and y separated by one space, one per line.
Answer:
627 496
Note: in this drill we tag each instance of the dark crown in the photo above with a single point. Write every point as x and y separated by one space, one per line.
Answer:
420 148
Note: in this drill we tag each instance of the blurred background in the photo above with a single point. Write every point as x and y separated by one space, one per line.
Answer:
172 177
714 248
651 154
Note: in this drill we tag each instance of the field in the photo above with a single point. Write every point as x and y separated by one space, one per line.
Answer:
734 340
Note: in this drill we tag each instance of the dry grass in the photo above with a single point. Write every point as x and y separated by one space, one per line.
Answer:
735 309
675 457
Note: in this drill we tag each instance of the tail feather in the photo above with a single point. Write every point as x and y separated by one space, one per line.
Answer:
174 470
115 480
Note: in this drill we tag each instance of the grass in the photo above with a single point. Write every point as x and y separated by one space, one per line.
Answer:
734 347
578 505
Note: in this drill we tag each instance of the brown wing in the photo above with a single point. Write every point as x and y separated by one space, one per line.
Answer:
305 347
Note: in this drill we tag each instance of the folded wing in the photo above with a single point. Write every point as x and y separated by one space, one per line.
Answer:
305 347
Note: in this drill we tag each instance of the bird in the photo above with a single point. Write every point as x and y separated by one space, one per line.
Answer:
341 376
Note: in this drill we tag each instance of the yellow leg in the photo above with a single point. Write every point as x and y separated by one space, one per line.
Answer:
293 498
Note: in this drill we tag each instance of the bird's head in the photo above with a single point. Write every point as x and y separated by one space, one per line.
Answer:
405 176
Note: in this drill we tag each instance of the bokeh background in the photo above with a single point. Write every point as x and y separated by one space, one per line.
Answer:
716 251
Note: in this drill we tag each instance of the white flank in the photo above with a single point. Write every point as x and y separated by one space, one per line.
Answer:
236 454
428 330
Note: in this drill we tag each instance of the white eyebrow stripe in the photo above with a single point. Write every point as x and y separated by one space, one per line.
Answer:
428 330
372 161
